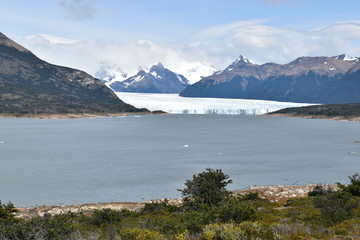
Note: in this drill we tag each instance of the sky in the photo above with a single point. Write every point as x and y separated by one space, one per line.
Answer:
126 34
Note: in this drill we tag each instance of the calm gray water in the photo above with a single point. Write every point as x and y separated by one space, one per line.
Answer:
148 157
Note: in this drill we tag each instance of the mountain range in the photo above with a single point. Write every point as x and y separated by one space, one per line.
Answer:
29 85
157 80
306 79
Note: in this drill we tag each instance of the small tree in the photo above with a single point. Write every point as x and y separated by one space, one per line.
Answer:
354 187
208 187
7 210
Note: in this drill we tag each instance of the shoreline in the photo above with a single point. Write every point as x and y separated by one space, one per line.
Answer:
279 194
78 115
291 115
105 115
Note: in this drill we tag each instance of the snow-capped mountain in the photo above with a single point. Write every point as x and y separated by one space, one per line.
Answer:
157 80
192 71
240 61
306 79
109 74
346 57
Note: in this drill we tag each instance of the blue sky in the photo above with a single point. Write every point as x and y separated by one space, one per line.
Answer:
129 33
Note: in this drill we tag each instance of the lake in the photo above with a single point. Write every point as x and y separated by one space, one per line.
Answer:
148 157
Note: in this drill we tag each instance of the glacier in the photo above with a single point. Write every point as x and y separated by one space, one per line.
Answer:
173 103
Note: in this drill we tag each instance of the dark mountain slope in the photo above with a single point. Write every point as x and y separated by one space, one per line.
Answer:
29 85
306 79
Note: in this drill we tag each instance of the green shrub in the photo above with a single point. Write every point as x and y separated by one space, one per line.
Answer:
250 196
195 220
235 210
243 231
139 234
354 187
59 227
165 223
320 190
158 206
351 226
7 210
255 230
208 187
232 232
336 207
107 216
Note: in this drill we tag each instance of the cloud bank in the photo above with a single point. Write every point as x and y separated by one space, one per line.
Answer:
265 43
217 46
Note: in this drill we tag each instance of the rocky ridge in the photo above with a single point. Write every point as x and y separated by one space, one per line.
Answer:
306 79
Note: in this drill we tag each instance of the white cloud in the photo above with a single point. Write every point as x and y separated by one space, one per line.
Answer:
217 46
264 43
78 9
92 56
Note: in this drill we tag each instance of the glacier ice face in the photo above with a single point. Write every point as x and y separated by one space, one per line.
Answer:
172 103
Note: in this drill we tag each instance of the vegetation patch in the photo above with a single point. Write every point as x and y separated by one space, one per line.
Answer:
209 212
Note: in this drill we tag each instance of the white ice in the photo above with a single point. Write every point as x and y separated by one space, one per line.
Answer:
172 103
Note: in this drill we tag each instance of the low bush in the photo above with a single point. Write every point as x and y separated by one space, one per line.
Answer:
336 207
139 234
243 231
59 227
250 196
235 210
158 206
107 216
319 190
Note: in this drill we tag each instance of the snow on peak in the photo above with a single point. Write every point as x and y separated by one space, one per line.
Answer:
243 59
349 58
240 61
345 57
154 73
191 71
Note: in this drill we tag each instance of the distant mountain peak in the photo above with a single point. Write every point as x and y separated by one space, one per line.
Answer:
318 79
159 64
243 60
240 61
157 80
345 57
4 40
157 67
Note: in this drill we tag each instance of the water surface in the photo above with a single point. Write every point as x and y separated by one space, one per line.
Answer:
148 157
